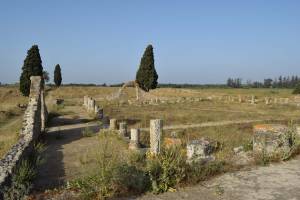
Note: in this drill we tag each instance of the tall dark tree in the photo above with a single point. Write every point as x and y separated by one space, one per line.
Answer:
32 67
57 75
146 75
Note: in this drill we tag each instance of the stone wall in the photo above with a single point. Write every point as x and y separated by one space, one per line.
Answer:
34 121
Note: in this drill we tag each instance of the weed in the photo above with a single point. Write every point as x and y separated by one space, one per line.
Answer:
88 132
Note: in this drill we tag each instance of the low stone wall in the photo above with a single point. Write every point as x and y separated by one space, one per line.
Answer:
33 125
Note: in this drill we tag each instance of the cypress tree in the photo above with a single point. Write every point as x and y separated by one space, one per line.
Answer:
146 75
32 67
57 75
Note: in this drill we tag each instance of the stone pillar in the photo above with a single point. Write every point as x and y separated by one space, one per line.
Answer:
85 101
123 129
156 127
92 103
252 99
134 139
113 124
240 99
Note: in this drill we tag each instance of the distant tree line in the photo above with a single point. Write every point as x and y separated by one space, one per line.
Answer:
280 82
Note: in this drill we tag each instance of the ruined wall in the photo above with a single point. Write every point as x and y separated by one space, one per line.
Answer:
34 121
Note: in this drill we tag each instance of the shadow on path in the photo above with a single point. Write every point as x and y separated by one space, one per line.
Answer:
62 146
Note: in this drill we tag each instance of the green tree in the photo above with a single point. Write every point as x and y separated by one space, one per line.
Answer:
32 67
146 75
57 75
46 76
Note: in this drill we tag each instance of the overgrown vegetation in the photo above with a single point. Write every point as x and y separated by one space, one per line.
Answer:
24 175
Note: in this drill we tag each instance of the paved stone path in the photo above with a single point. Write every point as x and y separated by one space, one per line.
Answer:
275 182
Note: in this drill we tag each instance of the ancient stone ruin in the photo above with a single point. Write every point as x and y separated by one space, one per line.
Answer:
90 104
34 123
270 138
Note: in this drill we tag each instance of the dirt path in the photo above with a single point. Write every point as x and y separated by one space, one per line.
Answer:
210 124
65 146
275 182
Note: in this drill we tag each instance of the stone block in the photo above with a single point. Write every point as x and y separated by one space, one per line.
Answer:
269 138
123 129
134 139
199 151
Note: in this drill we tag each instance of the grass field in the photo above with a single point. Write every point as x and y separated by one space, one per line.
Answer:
10 117
182 113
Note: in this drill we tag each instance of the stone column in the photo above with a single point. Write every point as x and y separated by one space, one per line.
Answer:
92 105
156 127
113 124
134 139
252 99
123 129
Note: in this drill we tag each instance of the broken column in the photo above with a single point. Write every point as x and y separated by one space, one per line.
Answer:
123 129
156 127
134 139
113 124
252 99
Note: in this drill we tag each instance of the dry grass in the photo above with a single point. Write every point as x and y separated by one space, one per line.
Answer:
10 117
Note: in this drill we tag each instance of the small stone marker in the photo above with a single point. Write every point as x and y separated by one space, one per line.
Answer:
269 138
123 129
113 124
156 127
134 139
199 151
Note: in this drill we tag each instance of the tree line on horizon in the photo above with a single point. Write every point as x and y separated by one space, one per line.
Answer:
280 82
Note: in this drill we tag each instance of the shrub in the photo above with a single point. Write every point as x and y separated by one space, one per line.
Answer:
167 169
111 174
88 132
199 172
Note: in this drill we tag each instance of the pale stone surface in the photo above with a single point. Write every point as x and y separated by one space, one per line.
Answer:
199 151
156 127
123 129
113 124
134 139
33 123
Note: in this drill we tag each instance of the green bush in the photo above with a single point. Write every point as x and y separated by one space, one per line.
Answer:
167 169
197 172
88 132
112 174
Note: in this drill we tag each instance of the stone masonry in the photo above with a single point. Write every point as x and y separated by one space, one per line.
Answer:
34 121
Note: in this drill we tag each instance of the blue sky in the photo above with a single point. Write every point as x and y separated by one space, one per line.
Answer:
194 41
